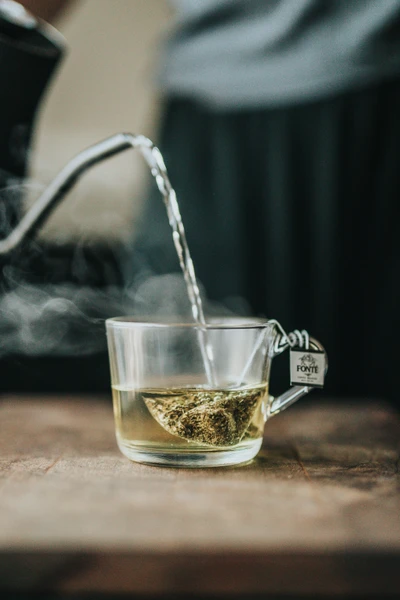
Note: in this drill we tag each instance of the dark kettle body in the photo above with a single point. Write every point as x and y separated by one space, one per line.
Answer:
29 54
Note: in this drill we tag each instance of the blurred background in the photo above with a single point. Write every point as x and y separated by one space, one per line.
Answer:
279 123
105 85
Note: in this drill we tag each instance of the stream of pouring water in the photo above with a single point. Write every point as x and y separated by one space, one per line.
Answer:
155 161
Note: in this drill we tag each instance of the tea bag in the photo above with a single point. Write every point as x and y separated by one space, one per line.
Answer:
212 417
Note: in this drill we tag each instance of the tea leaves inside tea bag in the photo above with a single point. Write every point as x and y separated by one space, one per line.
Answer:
212 417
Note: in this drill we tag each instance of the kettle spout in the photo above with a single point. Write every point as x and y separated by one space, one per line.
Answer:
64 181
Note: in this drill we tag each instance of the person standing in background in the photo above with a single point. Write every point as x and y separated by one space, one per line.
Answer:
281 135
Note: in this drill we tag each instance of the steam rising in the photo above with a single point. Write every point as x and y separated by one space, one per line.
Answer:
68 319
53 319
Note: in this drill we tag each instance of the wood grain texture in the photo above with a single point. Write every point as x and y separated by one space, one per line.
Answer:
316 512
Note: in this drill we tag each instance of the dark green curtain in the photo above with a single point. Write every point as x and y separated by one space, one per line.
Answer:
295 209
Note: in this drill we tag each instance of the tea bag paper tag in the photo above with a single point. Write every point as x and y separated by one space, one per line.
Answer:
307 367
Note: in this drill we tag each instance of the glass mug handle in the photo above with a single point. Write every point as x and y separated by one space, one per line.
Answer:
280 403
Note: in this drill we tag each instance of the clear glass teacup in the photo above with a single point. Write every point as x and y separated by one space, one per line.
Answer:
169 410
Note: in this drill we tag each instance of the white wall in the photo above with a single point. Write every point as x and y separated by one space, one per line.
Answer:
104 86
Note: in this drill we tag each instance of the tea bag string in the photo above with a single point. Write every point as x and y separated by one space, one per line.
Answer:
292 339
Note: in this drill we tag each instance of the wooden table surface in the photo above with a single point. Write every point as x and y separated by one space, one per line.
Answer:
316 512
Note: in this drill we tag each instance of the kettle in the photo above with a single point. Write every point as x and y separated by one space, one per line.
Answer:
30 51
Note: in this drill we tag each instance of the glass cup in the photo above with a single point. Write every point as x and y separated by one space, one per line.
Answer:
190 395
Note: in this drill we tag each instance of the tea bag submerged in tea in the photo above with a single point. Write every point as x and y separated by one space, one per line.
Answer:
212 417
